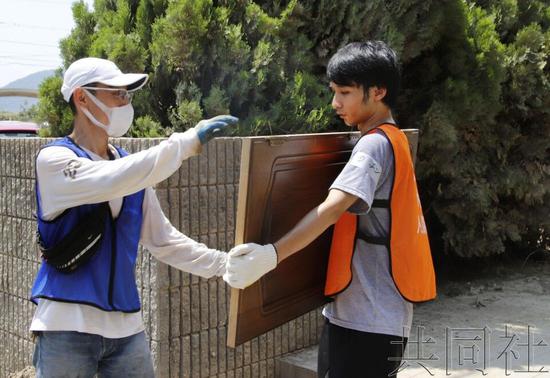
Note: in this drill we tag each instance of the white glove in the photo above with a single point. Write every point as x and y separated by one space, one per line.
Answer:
246 263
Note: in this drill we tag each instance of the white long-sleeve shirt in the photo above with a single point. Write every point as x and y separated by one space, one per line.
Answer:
66 181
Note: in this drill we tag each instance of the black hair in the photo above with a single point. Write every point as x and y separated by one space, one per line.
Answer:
371 63
71 101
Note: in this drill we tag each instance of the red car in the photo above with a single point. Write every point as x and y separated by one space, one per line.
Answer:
18 129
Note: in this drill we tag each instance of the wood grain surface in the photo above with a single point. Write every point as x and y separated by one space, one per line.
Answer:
281 179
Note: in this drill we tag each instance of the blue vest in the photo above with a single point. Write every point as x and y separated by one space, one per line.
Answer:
107 280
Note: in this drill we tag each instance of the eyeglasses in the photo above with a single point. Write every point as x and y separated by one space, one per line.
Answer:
120 93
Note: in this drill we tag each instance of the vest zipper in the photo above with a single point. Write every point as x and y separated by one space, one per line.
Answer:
113 262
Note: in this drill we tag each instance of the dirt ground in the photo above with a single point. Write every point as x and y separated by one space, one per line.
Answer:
492 321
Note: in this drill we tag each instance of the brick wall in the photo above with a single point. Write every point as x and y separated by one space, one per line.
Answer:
185 316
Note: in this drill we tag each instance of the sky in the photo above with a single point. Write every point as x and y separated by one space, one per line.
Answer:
30 31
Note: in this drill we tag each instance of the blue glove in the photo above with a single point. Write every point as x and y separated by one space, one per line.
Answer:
210 128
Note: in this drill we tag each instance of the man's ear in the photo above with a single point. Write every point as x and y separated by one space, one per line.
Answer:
378 93
79 98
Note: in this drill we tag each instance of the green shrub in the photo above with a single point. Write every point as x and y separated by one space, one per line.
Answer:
146 127
475 82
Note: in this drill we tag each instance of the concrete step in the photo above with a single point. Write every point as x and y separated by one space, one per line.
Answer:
299 364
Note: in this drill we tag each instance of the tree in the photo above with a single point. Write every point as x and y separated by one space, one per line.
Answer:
475 82
52 108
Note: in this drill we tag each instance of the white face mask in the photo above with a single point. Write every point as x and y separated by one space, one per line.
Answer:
120 117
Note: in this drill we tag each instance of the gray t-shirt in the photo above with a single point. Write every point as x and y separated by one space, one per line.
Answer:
371 303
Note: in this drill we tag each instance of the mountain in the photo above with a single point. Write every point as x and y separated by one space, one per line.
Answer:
32 81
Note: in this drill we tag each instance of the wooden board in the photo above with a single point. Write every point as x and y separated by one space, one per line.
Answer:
281 179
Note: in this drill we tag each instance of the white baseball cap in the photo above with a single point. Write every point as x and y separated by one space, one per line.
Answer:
95 70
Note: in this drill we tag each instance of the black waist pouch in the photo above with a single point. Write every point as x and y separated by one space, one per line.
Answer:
80 244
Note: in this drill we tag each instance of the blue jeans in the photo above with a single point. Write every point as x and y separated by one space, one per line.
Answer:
74 354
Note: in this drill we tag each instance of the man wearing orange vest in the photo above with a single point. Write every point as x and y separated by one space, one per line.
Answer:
380 260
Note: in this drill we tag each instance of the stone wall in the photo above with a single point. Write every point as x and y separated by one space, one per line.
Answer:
185 316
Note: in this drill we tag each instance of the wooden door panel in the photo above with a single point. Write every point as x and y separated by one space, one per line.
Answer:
282 178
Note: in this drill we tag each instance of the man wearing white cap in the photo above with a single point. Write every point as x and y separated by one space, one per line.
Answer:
95 204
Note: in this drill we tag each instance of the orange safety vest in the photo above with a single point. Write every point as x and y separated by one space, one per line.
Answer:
410 257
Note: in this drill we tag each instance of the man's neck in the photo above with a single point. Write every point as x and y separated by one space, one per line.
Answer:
90 137
377 119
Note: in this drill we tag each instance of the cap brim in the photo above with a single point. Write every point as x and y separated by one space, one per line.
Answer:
132 81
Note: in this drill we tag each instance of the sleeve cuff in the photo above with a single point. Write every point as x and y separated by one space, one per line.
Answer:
363 197
222 261
190 140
